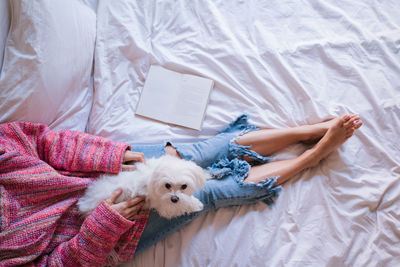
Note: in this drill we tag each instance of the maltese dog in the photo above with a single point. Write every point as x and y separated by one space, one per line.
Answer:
168 183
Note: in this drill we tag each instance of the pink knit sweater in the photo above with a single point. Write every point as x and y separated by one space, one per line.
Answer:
42 175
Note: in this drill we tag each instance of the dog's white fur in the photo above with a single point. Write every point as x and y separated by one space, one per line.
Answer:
167 182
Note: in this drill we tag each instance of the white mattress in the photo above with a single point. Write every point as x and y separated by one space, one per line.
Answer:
285 63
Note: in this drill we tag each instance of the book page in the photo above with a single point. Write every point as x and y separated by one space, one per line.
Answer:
175 98
190 105
158 94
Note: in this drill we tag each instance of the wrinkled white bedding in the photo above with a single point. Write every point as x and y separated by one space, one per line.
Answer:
285 63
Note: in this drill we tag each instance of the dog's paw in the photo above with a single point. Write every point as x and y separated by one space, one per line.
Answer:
197 205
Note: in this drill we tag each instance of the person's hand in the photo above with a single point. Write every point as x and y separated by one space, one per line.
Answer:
128 209
131 157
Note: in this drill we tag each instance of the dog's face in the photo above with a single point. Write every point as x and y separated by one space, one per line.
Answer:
172 185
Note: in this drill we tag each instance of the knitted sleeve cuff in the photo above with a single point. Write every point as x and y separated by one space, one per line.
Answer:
117 153
108 222
97 238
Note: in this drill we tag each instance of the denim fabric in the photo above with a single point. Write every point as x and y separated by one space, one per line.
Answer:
223 159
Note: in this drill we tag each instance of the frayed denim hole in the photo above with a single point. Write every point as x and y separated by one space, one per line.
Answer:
272 190
237 168
241 123
268 182
241 151
168 143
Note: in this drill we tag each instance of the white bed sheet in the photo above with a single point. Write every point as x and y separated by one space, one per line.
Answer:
285 63
4 26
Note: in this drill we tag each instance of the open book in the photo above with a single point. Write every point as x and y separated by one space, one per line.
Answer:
175 98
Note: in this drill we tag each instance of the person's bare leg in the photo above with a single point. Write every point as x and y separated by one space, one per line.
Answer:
170 150
342 128
268 141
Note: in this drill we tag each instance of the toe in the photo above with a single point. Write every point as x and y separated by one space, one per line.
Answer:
349 123
357 124
346 117
353 121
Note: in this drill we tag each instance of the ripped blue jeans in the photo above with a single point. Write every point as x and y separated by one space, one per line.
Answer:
223 159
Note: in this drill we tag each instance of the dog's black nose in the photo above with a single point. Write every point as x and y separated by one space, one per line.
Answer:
174 199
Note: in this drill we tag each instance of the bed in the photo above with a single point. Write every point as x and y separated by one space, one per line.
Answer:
82 65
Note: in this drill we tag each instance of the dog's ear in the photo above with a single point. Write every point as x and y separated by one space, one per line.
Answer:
200 175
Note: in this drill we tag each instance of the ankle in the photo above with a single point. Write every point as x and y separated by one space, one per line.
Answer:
311 158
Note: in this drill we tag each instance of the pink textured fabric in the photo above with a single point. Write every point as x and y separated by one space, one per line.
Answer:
42 175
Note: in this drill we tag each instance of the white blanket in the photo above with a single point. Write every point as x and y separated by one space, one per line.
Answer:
285 63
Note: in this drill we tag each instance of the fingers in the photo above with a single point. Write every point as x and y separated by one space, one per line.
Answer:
130 158
133 156
129 209
128 167
132 213
111 200
135 201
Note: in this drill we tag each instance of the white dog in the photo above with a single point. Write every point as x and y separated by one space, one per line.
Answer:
167 182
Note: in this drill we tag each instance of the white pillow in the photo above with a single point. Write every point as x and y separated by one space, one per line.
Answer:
4 26
48 63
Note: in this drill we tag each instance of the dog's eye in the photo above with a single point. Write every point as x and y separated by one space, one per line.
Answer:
183 187
168 186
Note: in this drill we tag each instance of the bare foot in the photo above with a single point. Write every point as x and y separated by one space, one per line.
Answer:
315 132
341 129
